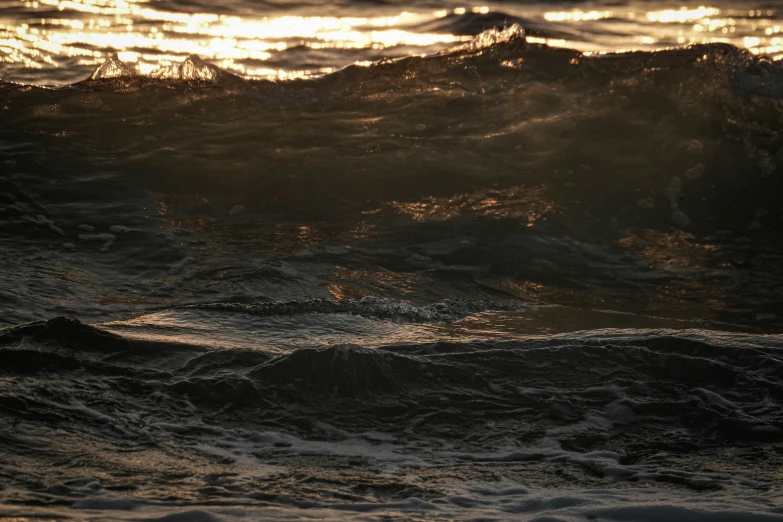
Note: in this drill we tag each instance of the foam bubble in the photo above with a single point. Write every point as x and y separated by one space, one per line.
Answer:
107 239
647 204
179 265
695 172
673 192
680 219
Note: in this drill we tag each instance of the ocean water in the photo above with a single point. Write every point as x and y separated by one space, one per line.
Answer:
391 260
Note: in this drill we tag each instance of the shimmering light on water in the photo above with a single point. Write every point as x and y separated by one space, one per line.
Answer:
576 16
51 34
231 41
658 29
681 16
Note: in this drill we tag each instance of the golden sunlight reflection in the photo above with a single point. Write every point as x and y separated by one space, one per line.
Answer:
150 38
633 29
576 16
51 34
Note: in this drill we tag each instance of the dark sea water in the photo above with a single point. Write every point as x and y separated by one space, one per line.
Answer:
391 261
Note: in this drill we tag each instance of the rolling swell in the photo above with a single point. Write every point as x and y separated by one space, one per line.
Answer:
686 410
466 94
607 389
497 170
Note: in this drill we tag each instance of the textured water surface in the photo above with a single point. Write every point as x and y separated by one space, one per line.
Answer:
390 262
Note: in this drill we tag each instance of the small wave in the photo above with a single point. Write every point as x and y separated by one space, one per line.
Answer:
345 369
68 332
65 331
472 24
607 386
192 69
195 70
493 31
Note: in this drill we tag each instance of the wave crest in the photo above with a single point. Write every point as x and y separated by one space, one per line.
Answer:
513 35
191 69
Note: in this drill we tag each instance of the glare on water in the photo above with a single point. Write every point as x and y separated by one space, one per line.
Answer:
47 35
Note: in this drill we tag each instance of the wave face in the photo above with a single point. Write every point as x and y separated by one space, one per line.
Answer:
502 281
498 170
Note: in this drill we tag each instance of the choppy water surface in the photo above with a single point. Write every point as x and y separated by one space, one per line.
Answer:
391 262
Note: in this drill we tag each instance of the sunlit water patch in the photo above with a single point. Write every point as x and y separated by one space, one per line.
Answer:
56 41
